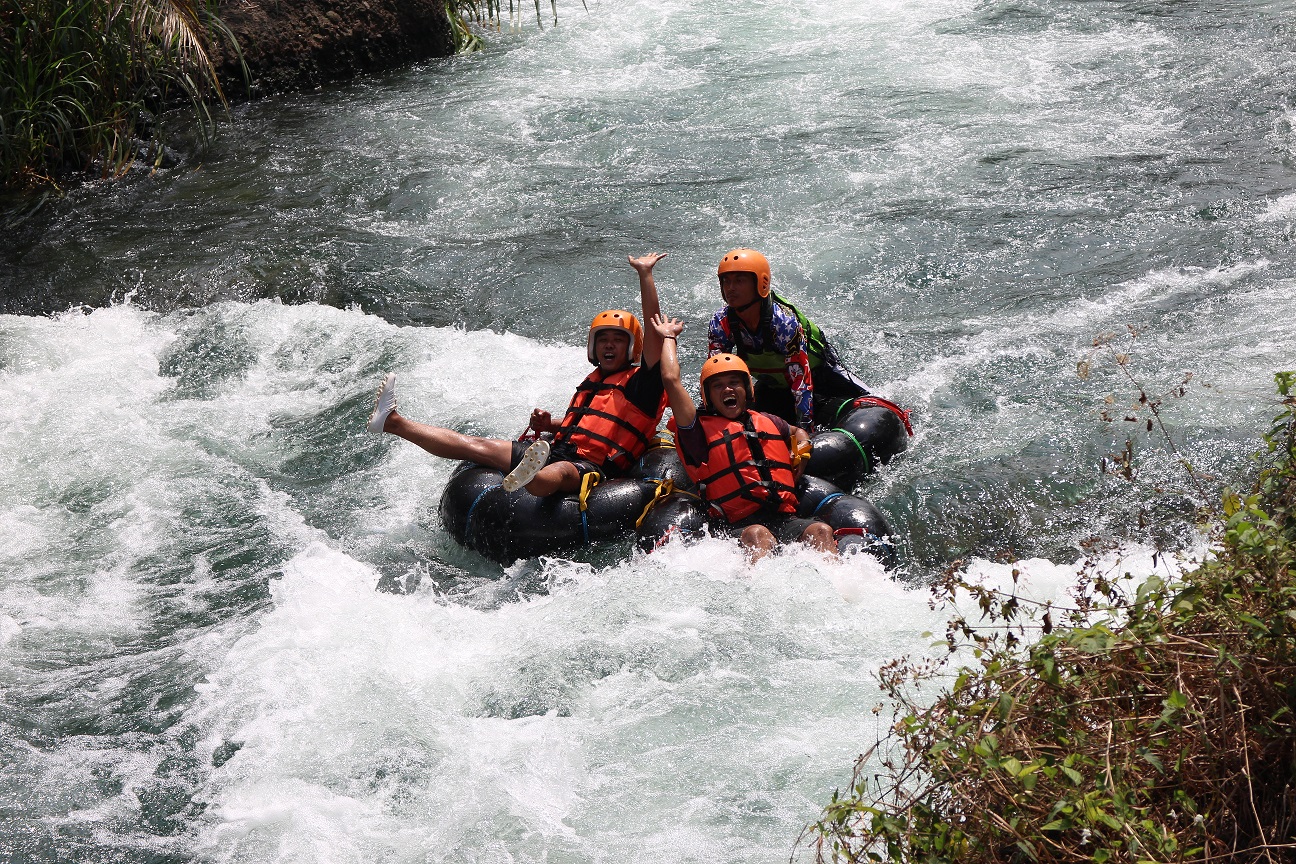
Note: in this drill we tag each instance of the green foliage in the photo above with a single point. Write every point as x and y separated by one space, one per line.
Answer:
82 81
1155 724
464 13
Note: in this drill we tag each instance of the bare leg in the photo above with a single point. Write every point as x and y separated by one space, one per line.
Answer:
819 535
491 452
758 541
555 477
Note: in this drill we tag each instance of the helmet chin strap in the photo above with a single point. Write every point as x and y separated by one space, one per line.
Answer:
746 306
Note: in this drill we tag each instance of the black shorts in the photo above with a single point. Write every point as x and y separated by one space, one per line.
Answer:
557 453
786 527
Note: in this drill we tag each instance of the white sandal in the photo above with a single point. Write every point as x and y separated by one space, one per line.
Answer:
384 404
533 460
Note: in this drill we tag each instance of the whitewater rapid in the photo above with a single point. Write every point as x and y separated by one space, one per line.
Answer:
232 627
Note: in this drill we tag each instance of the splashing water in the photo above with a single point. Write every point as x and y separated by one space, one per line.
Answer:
231 625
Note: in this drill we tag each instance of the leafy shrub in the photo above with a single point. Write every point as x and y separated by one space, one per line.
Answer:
1155 724
81 81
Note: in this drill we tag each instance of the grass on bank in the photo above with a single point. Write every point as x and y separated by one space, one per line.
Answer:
1148 723
83 82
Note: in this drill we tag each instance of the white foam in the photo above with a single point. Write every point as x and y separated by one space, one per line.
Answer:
660 703
9 628
593 668
676 698
1279 209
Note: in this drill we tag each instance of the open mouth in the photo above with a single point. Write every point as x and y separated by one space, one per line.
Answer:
730 401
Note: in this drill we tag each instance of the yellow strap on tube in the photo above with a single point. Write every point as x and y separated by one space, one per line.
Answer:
664 440
664 488
588 482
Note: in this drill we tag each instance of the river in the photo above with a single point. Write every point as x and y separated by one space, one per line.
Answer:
232 627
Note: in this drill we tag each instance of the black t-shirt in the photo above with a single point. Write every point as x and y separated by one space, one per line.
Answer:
693 442
645 389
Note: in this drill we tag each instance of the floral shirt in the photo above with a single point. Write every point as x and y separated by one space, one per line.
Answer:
788 340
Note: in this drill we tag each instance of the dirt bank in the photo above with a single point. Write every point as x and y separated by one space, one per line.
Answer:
300 44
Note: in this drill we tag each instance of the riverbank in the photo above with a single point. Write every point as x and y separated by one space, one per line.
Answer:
302 44
1154 723
89 87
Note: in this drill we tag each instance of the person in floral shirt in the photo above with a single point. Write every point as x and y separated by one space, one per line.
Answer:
798 376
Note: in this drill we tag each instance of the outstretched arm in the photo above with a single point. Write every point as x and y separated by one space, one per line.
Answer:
680 401
650 306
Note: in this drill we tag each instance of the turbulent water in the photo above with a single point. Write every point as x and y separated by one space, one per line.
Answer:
232 627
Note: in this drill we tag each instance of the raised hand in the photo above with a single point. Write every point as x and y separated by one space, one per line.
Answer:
645 264
667 328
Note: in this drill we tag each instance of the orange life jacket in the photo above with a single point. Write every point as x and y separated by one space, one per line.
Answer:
603 424
748 466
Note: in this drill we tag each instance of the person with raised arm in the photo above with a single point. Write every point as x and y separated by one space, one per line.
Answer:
607 427
746 462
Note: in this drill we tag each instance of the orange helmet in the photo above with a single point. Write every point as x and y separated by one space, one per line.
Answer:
719 364
747 261
616 319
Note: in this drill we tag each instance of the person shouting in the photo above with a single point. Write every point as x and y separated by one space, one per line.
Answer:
746 462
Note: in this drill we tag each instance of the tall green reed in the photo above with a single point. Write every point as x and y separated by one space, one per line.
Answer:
83 83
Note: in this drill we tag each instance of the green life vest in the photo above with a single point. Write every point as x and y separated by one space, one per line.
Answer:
771 363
